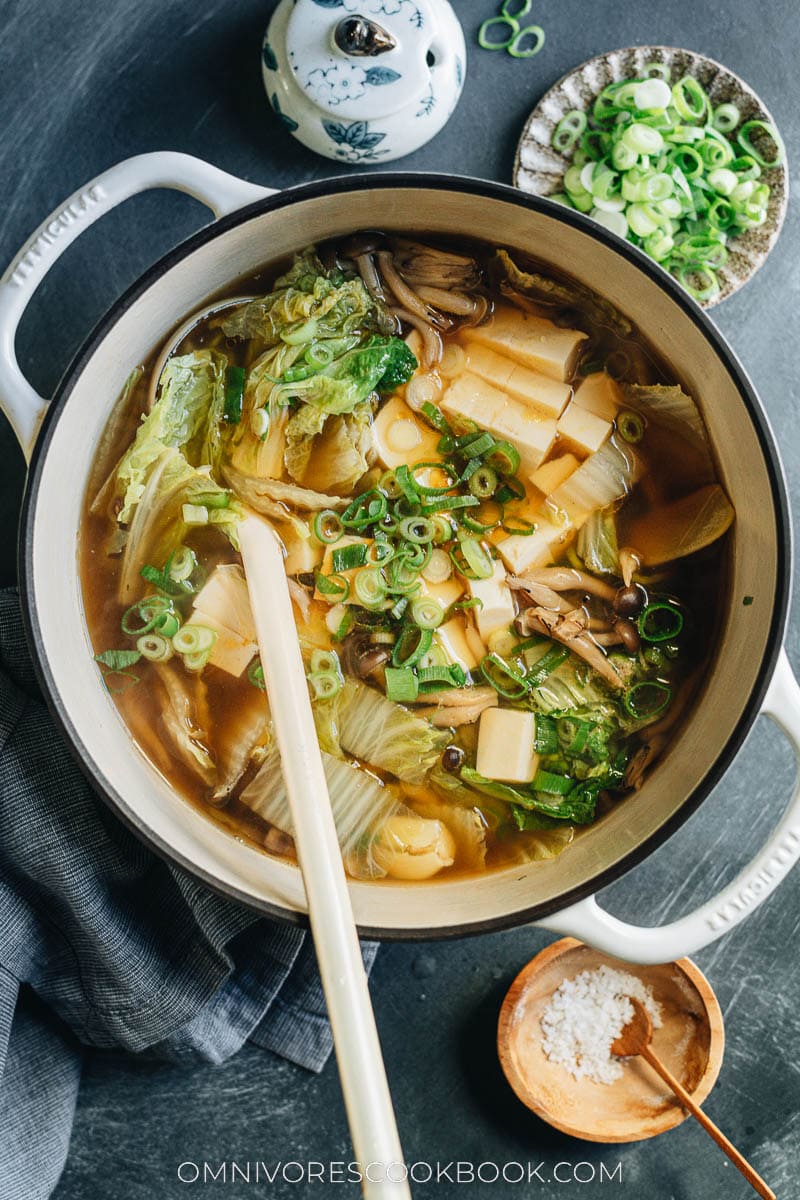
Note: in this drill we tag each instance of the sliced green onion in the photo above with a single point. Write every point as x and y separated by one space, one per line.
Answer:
430 679
196 660
689 98
504 678
388 484
427 612
647 699
155 647
234 394
630 426
146 615
325 684
518 526
406 484
726 117
556 785
504 458
487 516
193 639
347 558
763 128
435 417
370 587
333 585
472 559
412 645
449 504
416 529
483 481
544 667
367 509
328 527
182 564
402 686
568 130
438 568
474 445
325 660
660 621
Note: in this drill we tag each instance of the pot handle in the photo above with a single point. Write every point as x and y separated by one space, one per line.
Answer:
220 192
591 923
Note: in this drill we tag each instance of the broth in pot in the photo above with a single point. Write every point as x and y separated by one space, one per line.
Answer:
504 540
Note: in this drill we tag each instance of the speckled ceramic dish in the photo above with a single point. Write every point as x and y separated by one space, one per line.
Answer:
638 1105
539 169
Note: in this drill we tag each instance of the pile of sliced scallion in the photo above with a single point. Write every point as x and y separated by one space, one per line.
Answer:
157 623
658 164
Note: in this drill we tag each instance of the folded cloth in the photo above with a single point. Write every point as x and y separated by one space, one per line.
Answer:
103 944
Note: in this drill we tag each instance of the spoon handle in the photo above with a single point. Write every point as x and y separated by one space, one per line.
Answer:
752 1176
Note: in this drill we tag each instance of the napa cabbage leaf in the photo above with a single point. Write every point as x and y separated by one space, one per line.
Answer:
187 415
382 364
386 735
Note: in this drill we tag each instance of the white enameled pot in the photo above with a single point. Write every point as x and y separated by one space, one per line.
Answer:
750 673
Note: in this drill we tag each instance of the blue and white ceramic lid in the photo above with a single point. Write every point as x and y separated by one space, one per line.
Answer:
363 59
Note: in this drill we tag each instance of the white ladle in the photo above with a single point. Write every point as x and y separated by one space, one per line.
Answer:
358 1052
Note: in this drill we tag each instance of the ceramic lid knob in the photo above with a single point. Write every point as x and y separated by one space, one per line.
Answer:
364 80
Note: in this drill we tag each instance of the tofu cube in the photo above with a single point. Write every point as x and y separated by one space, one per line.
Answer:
473 399
230 652
525 552
552 474
583 430
225 599
506 745
530 340
223 604
452 639
544 395
400 437
303 554
599 394
446 593
497 611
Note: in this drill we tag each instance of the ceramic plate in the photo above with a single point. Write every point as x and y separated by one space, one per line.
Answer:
539 169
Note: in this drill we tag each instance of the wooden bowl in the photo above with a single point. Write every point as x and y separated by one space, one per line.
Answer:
690 1042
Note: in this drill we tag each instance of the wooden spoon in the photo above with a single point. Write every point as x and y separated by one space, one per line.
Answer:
358 1051
635 1039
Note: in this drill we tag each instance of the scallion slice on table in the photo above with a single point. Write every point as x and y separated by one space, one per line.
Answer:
660 166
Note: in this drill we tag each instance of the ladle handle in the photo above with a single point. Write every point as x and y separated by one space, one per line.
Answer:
738 1160
591 923
220 192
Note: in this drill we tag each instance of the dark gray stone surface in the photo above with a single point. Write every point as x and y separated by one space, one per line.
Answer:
84 85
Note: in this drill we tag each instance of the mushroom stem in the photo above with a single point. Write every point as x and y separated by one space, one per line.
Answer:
369 274
449 302
569 579
569 632
405 295
431 341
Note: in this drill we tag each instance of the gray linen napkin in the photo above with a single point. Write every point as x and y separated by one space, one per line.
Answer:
103 944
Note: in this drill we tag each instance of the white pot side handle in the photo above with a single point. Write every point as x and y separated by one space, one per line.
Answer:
592 924
220 192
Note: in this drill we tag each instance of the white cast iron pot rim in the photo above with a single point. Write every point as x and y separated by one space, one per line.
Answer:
376 181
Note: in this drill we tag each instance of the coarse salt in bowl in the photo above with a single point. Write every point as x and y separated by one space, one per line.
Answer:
558 1021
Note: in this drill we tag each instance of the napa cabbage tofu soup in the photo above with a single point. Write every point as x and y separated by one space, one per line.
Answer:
503 535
